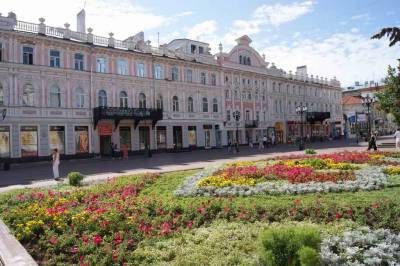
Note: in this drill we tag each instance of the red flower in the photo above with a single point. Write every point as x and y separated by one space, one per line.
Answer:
293 211
97 239
349 212
53 240
74 250
338 215
85 239
166 229
189 224
375 206
297 202
117 238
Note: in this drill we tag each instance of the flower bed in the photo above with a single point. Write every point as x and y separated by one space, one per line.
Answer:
346 171
362 247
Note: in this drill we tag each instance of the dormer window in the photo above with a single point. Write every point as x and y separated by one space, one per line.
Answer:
193 49
244 60
201 50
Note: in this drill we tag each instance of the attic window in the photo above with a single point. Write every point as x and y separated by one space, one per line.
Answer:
193 49
201 50
244 60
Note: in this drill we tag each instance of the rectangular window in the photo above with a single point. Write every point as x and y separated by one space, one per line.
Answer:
122 67
258 115
188 75
1 52
29 141
101 65
57 139
78 62
4 141
228 115
158 72
125 138
192 137
247 117
203 79
55 58
161 137
140 72
201 50
193 49
27 56
175 74
213 79
81 139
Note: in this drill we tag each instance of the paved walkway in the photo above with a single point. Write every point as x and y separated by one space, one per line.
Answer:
39 174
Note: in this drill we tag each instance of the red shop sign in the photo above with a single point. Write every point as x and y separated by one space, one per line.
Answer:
105 130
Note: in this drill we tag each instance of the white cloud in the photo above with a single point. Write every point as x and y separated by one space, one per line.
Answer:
203 30
278 14
296 35
123 17
185 13
364 16
354 30
347 56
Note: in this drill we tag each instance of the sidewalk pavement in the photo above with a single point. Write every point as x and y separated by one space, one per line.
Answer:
97 170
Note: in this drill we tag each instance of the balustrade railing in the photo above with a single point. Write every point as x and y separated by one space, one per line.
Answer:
55 32
26 26
103 41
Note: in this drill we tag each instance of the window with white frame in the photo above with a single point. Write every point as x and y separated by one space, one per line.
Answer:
122 67
28 95
142 100
258 115
27 55
55 60
213 80
159 101
175 104
175 73
276 106
264 116
203 79
201 49
190 105
189 75
158 71
249 95
205 105
78 61
256 95
247 115
79 98
1 95
244 95
55 96
140 70
215 105
102 98
273 87
101 64
123 99
236 94
1 52
227 94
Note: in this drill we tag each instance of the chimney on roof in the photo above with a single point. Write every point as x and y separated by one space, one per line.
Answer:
81 21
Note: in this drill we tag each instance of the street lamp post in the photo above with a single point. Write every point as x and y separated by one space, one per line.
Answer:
369 103
236 116
301 109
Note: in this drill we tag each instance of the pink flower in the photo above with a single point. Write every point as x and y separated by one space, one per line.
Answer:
117 238
53 240
189 224
97 239
166 229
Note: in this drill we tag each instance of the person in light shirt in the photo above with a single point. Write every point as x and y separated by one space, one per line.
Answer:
397 136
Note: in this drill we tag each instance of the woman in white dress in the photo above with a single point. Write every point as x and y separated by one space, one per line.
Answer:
56 163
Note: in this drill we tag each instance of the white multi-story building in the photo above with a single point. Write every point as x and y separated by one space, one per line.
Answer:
80 92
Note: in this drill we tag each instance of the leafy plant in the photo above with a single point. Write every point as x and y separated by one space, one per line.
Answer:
310 151
308 256
75 179
281 246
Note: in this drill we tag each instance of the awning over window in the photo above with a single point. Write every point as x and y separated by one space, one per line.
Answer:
119 113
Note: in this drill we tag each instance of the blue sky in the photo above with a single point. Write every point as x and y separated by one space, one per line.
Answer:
331 37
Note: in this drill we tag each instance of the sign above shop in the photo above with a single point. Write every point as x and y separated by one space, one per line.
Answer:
105 130
118 113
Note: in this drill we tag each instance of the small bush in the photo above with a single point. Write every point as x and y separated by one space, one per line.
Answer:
75 179
308 256
310 151
280 246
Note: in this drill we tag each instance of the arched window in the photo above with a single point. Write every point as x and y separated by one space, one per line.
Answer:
1 95
159 101
215 105
55 96
273 86
79 98
175 104
142 100
123 99
240 59
102 98
28 95
205 105
226 94
190 105
248 62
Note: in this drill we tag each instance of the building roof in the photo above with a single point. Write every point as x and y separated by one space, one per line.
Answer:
349 100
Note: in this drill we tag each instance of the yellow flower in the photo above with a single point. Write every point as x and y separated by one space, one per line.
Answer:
221 181
392 170
377 156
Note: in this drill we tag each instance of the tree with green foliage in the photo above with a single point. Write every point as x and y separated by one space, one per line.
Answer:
389 98
392 33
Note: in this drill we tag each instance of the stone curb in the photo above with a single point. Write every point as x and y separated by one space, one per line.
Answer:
12 253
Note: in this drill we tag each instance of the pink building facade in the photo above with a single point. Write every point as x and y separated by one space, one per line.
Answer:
79 92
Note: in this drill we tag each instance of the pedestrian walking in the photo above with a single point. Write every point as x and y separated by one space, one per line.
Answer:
265 141
112 150
260 144
372 142
229 146
273 139
56 163
397 137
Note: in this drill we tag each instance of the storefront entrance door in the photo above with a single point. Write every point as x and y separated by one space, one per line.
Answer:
207 138
105 145
177 135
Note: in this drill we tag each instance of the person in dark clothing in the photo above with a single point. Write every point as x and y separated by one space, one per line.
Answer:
372 143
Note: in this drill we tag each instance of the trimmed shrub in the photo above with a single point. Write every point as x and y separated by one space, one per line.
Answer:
280 246
75 179
310 151
308 256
